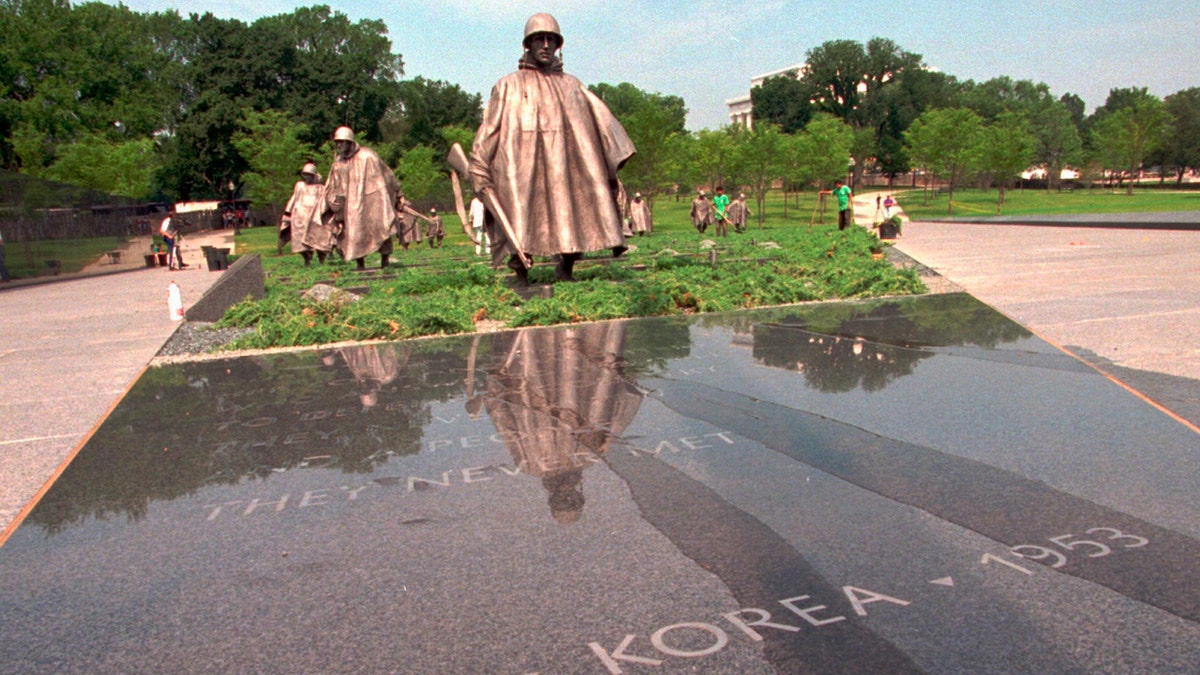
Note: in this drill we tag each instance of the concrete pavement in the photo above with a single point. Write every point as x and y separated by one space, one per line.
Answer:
70 347
1124 299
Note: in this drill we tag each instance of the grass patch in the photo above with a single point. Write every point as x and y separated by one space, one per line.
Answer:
977 203
449 290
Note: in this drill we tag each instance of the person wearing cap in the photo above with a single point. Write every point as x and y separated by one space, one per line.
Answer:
302 218
845 198
171 237
361 196
738 212
640 219
720 203
436 230
701 212
548 151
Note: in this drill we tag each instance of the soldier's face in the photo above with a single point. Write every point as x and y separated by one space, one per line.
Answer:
542 46
343 148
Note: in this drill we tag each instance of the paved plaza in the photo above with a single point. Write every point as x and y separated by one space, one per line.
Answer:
931 484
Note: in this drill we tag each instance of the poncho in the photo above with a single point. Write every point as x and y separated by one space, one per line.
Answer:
309 233
367 191
549 151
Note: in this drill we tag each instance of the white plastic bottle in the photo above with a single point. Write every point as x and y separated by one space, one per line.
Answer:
175 302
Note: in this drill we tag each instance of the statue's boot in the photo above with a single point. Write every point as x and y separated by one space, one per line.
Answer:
566 266
514 264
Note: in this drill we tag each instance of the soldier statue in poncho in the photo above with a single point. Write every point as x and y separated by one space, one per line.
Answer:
548 151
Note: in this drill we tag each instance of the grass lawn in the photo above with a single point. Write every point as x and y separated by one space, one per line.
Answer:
973 202
450 290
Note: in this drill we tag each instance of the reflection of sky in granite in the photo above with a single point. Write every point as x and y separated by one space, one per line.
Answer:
653 471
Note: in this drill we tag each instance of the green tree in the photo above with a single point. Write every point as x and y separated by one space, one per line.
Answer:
324 70
69 72
313 64
784 101
1005 150
1183 136
1130 133
832 73
946 142
275 153
828 141
1058 144
762 150
855 82
652 121
420 173
916 91
423 107
123 168
714 156
464 136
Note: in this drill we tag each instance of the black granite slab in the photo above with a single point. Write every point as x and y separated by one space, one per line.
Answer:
244 278
915 485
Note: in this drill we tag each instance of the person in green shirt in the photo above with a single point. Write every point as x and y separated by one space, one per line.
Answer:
843 194
720 203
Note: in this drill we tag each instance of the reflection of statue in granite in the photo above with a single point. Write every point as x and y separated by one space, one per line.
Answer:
558 397
373 368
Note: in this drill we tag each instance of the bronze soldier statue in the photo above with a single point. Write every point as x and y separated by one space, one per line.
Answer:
361 195
546 157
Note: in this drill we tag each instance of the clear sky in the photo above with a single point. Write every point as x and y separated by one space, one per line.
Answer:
707 51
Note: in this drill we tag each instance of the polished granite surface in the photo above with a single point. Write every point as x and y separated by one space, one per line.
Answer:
913 485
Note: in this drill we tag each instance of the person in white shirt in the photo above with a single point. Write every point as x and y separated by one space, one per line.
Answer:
477 216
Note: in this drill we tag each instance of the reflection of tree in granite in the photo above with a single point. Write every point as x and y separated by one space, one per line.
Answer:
832 363
654 344
183 427
842 347
558 397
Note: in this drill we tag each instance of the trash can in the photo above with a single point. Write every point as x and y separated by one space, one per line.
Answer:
216 258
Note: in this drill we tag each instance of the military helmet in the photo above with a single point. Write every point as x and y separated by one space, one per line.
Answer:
309 168
542 23
343 134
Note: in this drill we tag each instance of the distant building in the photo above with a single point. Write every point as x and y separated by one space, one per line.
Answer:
740 108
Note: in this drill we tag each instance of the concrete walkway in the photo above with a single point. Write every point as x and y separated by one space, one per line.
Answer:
70 346
1126 300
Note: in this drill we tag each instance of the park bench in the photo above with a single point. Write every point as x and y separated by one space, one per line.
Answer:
114 257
